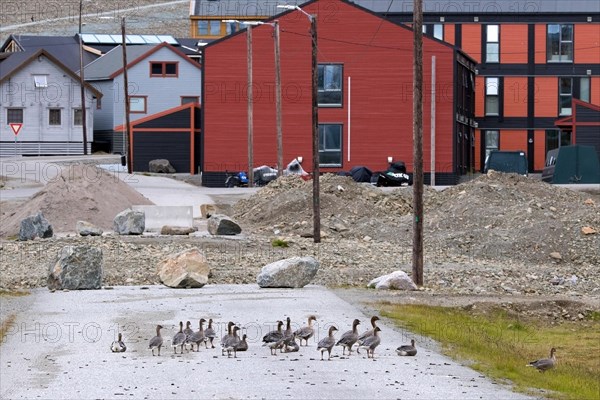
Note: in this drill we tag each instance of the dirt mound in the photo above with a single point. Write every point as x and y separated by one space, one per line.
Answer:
81 192
348 208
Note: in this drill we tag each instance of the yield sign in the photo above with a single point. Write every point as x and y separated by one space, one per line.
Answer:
15 127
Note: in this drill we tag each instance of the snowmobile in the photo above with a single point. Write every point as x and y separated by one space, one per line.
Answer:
394 175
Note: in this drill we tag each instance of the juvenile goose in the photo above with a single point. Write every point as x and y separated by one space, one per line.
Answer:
349 338
544 364
326 344
226 337
232 342
368 333
407 349
198 337
210 333
243 344
291 345
371 343
118 346
157 341
179 339
306 332
274 336
280 344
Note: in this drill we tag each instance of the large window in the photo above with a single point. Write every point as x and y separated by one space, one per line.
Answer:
209 27
492 95
137 104
54 115
14 116
77 117
330 85
492 44
492 142
565 95
330 145
556 139
163 69
559 43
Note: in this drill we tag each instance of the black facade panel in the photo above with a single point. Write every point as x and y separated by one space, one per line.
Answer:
213 179
589 136
550 69
492 18
179 119
586 114
515 123
197 118
173 146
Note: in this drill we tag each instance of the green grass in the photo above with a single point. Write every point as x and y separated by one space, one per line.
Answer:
279 243
12 293
500 347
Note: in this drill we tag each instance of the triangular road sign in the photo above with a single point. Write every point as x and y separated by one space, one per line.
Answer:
15 127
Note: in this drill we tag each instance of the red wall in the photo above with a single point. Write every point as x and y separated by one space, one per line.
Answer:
377 57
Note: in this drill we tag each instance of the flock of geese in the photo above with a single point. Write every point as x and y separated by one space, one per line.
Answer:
285 340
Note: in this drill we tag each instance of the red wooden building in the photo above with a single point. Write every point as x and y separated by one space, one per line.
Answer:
365 96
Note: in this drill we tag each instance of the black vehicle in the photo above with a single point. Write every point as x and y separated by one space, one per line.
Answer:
506 161
395 175
262 176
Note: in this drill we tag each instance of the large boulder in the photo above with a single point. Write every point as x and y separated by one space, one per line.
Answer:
35 226
187 269
129 222
219 224
397 280
77 267
85 228
295 272
161 166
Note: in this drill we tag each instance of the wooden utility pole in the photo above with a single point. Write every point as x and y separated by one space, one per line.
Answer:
417 253
82 83
278 98
315 132
128 143
250 111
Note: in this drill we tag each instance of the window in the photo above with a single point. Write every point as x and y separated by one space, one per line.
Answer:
209 27
559 43
54 116
163 69
330 145
584 89
137 104
40 81
231 27
556 139
77 117
14 116
435 30
492 45
189 99
492 90
492 142
330 85
565 95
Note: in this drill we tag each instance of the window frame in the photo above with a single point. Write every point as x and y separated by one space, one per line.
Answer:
488 148
197 99
561 138
210 23
40 81
323 90
562 95
322 150
561 41
489 42
145 102
54 122
75 112
163 65
10 119
492 95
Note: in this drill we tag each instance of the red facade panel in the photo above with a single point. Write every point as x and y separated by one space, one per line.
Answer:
539 149
513 44
595 90
471 40
546 96
513 140
377 59
515 96
540 44
587 43
449 33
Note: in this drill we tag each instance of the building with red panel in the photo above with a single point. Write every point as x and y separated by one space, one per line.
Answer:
365 96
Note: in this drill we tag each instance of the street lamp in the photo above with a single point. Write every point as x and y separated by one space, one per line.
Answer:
315 122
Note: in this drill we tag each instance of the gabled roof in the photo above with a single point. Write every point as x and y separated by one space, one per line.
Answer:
110 65
158 115
19 60
64 48
239 8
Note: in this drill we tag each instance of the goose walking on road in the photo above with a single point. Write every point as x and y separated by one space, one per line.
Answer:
198 337
226 337
118 346
179 339
274 336
368 333
232 343
306 332
544 364
407 349
349 338
210 333
326 344
157 341
371 343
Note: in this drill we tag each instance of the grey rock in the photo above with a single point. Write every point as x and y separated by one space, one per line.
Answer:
129 222
35 226
219 224
161 166
187 269
397 280
176 230
85 228
77 267
295 272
